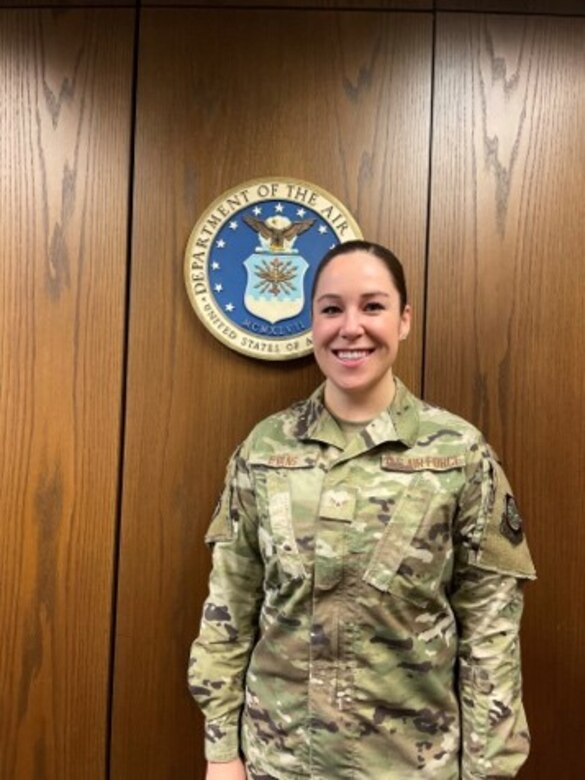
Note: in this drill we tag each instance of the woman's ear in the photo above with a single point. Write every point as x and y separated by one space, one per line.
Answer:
405 320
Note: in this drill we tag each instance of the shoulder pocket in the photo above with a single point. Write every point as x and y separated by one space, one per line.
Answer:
503 546
221 528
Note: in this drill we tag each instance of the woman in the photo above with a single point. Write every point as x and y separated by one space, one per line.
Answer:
368 559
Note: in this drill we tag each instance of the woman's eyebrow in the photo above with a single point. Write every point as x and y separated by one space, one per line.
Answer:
337 297
328 295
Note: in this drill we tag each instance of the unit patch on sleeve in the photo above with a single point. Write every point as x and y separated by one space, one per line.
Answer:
511 522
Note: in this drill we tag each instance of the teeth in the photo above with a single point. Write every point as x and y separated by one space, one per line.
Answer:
353 354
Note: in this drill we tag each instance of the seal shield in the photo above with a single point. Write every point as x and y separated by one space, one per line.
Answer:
275 290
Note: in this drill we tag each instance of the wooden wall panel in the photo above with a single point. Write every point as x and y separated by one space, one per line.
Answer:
343 101
65 81
576 7
505 316
354 5
69 4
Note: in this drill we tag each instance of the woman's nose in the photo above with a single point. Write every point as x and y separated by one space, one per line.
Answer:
351 327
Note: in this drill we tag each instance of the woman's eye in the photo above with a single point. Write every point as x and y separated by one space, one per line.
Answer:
331 309
374 306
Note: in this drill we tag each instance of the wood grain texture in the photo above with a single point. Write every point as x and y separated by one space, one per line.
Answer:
343 101
573 7
68 4
65 85
352 5
505 311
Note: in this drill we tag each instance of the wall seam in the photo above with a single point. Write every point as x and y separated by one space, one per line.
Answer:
123 397
429 203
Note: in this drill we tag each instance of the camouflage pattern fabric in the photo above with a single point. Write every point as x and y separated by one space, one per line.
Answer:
365 599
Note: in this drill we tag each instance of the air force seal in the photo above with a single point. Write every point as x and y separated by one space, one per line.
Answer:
251 259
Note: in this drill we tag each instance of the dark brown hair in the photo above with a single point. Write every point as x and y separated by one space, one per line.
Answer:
389 259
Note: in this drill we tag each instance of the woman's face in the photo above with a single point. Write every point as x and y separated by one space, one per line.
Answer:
357 327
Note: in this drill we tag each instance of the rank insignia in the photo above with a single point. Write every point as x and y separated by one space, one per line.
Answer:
511 522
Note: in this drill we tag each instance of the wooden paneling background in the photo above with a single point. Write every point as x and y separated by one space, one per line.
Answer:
65 140
322 111
504 316
570 7
455 138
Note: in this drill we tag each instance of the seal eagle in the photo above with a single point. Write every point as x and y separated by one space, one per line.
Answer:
275 231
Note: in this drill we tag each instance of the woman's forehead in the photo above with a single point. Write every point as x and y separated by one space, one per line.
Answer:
355 269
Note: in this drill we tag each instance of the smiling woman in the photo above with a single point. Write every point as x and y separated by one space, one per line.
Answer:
359 318
368 561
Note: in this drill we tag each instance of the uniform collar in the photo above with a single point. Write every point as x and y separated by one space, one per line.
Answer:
398 423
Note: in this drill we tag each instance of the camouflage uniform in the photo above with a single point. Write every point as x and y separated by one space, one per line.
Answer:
364 604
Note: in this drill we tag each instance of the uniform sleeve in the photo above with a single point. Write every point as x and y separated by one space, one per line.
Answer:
220 654
492 562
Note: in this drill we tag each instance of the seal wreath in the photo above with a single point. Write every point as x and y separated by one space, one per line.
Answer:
251 258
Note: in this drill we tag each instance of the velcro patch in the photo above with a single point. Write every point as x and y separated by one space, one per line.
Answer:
338 504
409 463
286 460
282 460
511 522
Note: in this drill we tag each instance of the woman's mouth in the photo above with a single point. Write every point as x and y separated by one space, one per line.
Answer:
352 355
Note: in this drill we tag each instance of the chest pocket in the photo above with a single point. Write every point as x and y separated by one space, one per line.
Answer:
282 481
414 556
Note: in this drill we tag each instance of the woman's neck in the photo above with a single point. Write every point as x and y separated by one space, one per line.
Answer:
355 407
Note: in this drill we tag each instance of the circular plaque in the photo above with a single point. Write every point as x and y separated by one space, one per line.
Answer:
251 259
